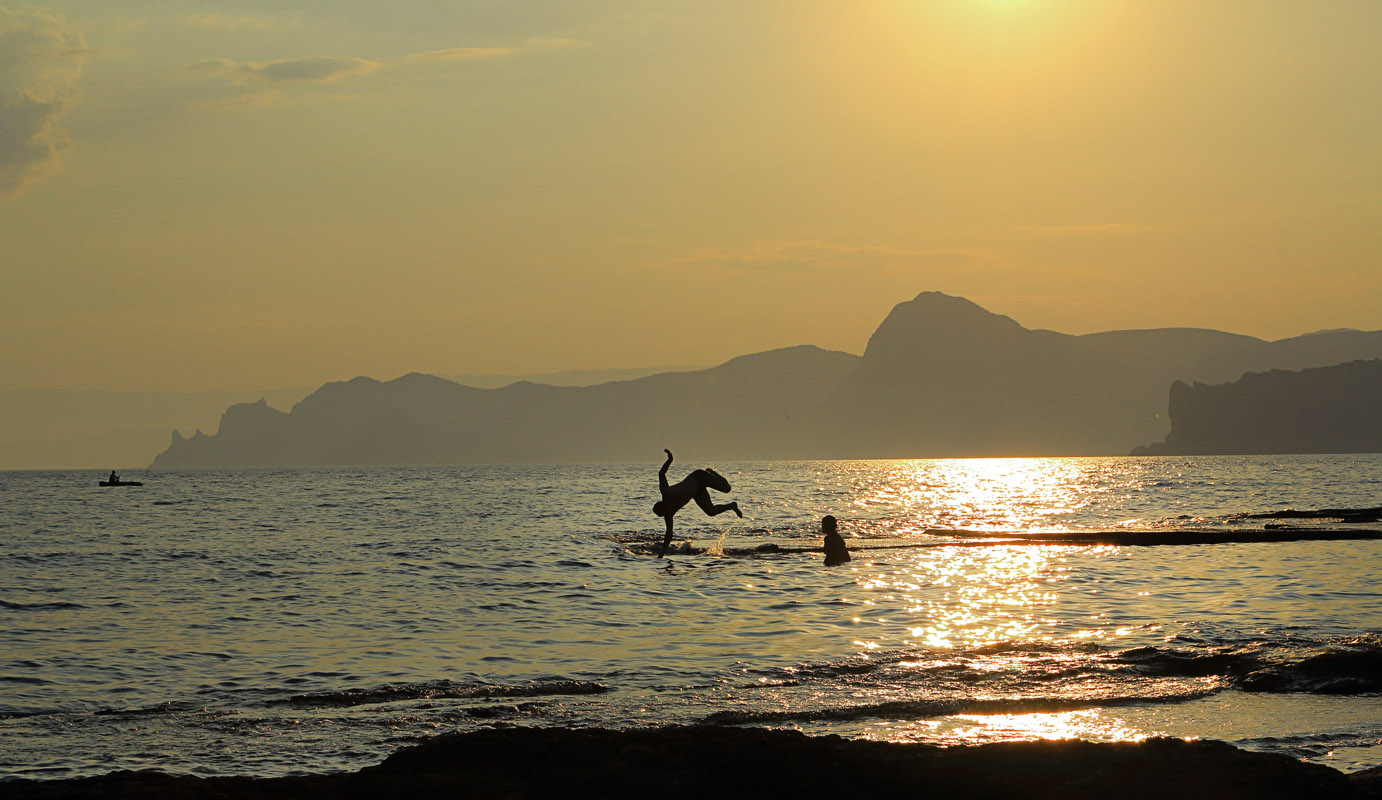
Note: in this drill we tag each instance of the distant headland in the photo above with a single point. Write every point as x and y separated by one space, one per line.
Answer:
940 377
1334 409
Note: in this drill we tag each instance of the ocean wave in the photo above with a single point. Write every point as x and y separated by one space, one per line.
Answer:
12 606
922 709
1352 515
5 715
441 690
1341 666
1314 745
161 708
1054 676
29 680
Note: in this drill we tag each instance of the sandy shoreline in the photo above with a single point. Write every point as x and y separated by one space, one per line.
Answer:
736 762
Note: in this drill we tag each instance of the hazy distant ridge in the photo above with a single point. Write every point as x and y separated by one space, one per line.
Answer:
940 377
73 429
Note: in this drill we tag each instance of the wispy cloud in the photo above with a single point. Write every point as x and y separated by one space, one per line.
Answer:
484 53
41 59
462 54
316 69
252 78
258 85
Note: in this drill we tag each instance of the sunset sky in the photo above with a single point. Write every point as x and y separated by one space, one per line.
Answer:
256 194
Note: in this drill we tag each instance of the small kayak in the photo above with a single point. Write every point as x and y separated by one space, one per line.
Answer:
122 483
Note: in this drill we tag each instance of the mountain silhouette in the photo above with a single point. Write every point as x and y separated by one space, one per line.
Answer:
1334 409
940 377
955 379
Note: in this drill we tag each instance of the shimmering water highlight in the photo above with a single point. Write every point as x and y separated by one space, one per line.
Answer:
271 622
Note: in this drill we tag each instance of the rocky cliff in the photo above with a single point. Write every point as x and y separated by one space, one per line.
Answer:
1335 409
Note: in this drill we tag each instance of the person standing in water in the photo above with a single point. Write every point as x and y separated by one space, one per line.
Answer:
692 487
835 550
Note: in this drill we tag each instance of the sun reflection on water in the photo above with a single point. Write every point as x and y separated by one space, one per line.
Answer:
1094 725
975 596
994 625
992 494
963 596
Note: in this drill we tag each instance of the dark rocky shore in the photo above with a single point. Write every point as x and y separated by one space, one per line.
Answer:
702 762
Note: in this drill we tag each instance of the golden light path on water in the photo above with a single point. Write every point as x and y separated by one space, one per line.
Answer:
1095 725
994 494
970 596
962 598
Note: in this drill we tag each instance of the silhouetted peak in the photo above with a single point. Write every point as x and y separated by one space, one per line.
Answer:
249 416
526 388
344 387
258 407
933 318
953 309
786 363
421 379
337 392
421 384
799 354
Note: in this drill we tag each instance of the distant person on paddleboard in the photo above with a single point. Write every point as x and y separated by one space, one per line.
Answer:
692 487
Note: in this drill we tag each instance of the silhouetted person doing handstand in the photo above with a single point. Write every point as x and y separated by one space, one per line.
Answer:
692 487
835 552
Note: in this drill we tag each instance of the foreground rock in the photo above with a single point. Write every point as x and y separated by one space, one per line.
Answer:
702 762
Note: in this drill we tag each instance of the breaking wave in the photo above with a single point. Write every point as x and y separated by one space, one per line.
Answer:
1048 677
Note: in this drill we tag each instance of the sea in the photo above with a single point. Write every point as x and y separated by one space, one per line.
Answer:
272 622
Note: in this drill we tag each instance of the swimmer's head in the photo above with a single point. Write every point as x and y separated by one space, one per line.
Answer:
828 523
660 508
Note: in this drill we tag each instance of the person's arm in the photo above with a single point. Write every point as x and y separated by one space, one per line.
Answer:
666 540
662 484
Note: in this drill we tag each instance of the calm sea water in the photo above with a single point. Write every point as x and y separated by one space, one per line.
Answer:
271 622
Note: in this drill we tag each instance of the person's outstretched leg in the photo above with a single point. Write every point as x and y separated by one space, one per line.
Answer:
703 500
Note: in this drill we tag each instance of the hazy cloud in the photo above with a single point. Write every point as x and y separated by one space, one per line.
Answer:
806 256
324 68
41 59
463 54
480 53
314 69
258 77
256 83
